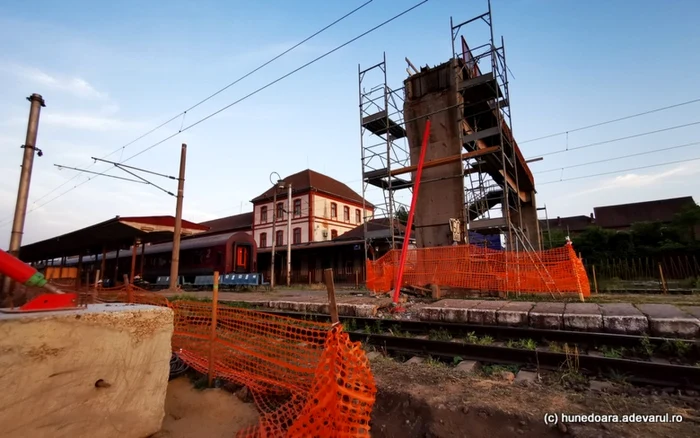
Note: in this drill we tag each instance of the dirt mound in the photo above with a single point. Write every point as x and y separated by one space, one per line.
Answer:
210 413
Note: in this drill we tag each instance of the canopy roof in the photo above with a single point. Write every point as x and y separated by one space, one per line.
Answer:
118 232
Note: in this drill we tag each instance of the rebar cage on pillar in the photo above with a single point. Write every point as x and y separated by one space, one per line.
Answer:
384 147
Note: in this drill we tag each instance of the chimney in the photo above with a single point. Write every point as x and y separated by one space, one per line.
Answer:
559 221
592 219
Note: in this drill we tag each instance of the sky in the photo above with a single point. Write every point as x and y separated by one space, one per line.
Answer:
110 72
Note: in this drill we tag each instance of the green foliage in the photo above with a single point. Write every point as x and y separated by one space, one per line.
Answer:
439 335
456 360
435 363
490 370
611 352
402 215
555 238
472 338
647 347
523 344
350 325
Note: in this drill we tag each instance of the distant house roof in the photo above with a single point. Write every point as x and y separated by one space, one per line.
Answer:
237 222
624 215
376 229
309 180
571 223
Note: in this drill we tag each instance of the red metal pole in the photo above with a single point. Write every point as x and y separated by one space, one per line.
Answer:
414 198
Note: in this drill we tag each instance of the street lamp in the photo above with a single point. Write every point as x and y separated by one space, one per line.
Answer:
276 185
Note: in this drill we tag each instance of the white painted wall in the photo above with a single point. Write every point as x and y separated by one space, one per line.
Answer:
323 223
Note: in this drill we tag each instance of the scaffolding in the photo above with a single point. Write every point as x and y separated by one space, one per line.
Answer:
384 148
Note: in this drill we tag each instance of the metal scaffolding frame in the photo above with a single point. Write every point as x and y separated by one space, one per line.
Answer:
384 145
492 179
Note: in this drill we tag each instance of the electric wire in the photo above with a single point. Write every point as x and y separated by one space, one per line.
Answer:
595 125
221 90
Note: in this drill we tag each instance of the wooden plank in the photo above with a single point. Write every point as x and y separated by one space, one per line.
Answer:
330 286
445 160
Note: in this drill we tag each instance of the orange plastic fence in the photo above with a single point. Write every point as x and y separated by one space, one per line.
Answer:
471 267
307 378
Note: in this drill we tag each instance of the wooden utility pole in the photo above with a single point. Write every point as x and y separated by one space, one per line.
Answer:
330 287
175 262
25 178
134 252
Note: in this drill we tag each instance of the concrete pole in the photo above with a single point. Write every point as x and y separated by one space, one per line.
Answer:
289 234
24 179
175 262
274 238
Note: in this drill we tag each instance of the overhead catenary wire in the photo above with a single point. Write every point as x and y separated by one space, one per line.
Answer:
216 93
620 158
685 125
241 99
667 163
619 119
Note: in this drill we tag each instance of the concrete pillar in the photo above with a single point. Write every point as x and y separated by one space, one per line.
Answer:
438 201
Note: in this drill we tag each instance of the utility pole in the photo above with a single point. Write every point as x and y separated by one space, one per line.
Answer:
25 177
175 262
274 238
289 233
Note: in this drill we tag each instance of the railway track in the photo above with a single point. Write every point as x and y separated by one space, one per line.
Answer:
414 339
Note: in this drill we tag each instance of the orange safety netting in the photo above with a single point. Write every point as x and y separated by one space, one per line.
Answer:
472 267
306 377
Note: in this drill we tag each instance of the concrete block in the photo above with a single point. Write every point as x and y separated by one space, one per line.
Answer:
429 313
468 366
52 363
345 309
448 311
365 310
415 360
525 378
547 316
373 355
514 313
670 321
485 312
585 317
693 310
317 308
623 318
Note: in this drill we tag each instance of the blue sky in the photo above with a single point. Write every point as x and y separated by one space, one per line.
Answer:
110 72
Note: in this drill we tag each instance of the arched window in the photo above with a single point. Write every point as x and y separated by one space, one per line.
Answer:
263 240
334 210
297 207
263 214
334 234
280 238
297 236
346 213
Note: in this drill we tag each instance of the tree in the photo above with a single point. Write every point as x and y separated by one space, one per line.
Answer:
687 221
402 215
555 236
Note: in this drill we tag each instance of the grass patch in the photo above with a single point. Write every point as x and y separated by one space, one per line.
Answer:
435 363
676 347
395 330
611 352
439 335
350 325
523 344
375 328
490 370
472 338
647 347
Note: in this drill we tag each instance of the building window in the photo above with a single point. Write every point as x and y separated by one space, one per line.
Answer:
280 211
297 236
346 213
263 240
280 238
358 216
263 214
297 207
334 234
334 210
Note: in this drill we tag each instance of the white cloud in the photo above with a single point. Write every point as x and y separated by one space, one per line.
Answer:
74 85
640 180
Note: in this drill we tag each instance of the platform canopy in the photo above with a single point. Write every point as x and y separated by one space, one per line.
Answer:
112 234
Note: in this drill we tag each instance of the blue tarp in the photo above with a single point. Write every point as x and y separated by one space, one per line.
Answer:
492 241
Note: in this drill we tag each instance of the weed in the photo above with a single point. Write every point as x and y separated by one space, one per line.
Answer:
395 330
571 376
618 377
554 347
439 335
350 325
675 347
490 370
524 344
457 359
485 340
435 363
647 347
472 338
611 352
